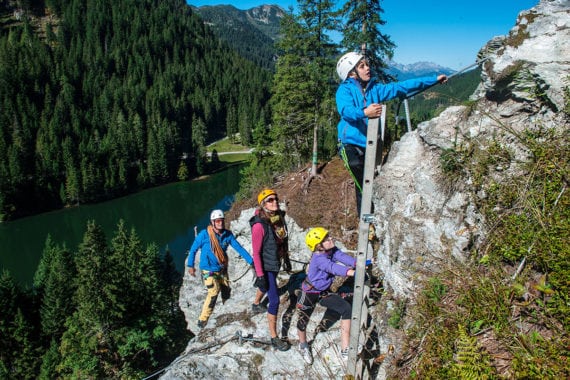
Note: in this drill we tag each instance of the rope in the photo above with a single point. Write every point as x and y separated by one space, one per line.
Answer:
248 268
244 273
344 157
300 262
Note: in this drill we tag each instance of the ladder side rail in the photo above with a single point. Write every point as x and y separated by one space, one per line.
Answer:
360 290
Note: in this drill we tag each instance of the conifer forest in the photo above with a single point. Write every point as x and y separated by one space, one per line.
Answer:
100 99
111 97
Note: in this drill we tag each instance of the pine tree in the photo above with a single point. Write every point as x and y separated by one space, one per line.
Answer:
171 278
361 31
81 351
94 267
19 343
148 331
26 361
127 256
199 135
231 123
85 345
244 123
182 174
260 134
302 83
9 297
167 315
55 280
50 360
136 280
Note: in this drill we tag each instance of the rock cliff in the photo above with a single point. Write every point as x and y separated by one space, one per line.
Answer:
423 221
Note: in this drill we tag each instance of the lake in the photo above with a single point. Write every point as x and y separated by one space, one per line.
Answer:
165 215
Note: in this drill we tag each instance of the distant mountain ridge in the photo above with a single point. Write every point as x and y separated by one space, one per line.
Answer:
413 70
252 33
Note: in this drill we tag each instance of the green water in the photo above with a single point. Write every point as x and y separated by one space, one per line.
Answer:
164 215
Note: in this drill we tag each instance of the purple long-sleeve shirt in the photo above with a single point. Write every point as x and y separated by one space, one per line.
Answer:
323 268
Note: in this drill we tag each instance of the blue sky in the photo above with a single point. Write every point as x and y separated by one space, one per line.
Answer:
449 33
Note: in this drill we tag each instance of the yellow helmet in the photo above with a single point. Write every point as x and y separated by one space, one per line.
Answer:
264 194
315 236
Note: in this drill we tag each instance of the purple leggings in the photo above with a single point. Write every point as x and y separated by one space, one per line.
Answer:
272 293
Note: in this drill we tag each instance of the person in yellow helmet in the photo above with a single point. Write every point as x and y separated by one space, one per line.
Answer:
269 241
326 263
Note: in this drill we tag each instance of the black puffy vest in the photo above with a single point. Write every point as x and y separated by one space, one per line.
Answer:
270 248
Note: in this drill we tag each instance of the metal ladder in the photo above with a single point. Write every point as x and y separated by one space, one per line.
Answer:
359 325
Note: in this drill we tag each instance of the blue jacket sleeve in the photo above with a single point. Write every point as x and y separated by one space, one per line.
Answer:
196 245
241 250
385 92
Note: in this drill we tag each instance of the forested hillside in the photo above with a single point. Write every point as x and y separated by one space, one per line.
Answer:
252 33
428 104
101 98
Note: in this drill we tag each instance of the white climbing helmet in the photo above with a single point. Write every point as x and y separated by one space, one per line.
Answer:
217 214
346 63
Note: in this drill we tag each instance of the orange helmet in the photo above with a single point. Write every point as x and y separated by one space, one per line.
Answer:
264 194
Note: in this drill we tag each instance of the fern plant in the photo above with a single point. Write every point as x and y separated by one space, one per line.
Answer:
470 361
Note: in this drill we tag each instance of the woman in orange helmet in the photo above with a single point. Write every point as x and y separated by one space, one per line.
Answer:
269 250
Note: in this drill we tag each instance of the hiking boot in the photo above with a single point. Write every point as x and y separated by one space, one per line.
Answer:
259 308
306 353
202 324
279 344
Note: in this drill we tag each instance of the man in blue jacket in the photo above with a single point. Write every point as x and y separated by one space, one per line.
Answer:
213 243
358 98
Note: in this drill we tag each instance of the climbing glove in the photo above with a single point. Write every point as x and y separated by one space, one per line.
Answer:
261 283
287 264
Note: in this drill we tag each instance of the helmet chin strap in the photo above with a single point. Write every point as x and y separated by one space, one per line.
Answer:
362 82
270 212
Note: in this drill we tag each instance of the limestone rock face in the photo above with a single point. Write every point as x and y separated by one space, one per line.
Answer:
532 61
423 221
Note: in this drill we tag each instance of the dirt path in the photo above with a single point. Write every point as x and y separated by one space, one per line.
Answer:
248 151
